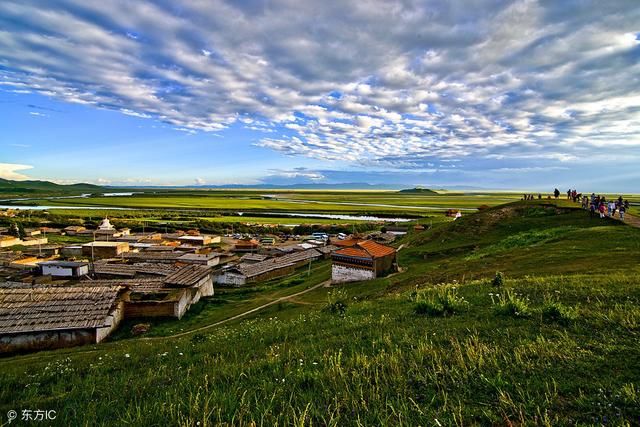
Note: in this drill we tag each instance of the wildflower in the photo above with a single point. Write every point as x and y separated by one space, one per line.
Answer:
127 355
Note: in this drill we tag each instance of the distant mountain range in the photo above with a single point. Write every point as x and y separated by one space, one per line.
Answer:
8 186
341 186
31 188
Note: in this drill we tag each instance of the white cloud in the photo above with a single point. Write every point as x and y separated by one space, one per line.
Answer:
515 77
303 173
11 171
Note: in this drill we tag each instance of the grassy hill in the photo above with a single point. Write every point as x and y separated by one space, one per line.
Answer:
35 188
555 343
418 190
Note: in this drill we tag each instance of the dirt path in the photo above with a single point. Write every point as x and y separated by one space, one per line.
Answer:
326 283
631 220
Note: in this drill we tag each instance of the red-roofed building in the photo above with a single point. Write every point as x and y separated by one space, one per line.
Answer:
346 243
365 260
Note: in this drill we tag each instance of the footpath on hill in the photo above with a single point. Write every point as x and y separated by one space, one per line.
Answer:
633 221
326 283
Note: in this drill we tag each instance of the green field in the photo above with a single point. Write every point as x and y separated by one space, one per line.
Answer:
437 344
299 201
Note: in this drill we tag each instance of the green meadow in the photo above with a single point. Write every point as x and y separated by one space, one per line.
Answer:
290 201
553 341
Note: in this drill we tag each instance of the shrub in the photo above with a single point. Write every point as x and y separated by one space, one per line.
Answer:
555 311
445 302
498 280
510 304
336 302
198 338
297 281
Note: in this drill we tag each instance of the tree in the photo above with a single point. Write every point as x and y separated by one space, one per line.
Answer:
17 230
21 233
13 229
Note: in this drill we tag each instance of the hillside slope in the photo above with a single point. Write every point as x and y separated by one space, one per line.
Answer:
10 187
549 346
417 190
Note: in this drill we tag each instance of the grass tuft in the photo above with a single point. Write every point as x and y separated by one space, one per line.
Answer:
443 302
337 302
554 311
498 280
512 304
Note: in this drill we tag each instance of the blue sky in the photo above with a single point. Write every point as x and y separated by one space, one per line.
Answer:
519 94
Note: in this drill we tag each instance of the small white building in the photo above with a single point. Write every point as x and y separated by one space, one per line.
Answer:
200 240
64 268
210 260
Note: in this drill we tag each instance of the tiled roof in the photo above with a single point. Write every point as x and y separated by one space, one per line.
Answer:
376 249
153 256
188 275
250 270
67 264
253 257
327 249
346 243
366 249
354 252
135 285
130 270
30 308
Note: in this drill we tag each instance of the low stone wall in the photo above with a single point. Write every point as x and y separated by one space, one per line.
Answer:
342 273
48 340
150 309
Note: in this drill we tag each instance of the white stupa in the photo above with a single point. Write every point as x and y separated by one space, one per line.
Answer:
105 225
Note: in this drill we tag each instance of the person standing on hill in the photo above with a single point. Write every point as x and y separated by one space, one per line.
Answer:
612 208
621 210
568 194
592 210
556 193
602 209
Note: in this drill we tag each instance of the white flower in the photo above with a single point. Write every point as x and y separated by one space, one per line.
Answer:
126 355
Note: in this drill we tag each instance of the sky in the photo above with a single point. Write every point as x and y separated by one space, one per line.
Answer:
504 94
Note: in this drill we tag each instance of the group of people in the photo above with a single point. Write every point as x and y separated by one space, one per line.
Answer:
594 204
530 197
605 208
573 195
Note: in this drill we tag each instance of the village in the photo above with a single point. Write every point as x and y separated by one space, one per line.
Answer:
62 295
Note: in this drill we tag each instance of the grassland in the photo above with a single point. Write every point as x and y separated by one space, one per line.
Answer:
555 344
301 201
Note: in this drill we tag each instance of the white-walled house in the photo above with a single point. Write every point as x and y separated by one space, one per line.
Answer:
64 268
